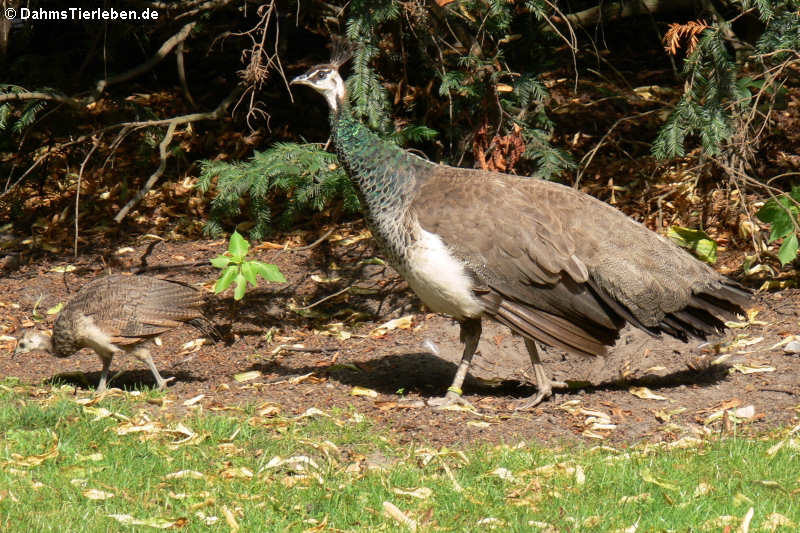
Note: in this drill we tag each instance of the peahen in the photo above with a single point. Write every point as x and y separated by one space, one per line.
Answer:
116 314
555 265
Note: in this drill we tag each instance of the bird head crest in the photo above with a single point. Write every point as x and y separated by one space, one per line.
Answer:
342 49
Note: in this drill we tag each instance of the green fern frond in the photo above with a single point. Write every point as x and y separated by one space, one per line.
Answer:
305 176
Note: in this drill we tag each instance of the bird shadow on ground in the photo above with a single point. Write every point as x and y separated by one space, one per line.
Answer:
127 380
429 375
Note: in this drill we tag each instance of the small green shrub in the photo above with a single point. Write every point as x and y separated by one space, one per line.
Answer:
781 213
237 268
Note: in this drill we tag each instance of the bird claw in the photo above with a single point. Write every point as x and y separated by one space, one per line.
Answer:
451 401
545 391
163 383
533 401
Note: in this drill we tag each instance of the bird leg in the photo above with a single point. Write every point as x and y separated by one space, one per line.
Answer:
470 335
543 383
106 359
143 355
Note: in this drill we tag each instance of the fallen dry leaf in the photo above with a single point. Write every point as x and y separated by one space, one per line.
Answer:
643 497
648 476
502 473
240 472
298 463
312 411
192 401
665 416
753 368
404 322
422 493
247 376
720 523
490 522
320 526
95 494
35 460
208 520
185 474
776 520
157 523
646 394
230 519
361 391
63 269
702 489
399 516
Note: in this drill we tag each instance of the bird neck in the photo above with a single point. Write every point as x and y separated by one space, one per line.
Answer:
46 343
385 176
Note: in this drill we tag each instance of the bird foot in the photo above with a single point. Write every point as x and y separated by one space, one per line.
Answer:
162 384
545 391
451 401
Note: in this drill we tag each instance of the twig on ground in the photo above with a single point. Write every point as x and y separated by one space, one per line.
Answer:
306 350
785 390
324 299
307 246
127 128
313 244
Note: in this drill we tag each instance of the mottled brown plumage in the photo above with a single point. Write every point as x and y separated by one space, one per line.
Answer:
117 314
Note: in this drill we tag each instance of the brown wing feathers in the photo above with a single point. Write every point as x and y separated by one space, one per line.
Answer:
129 308
551 329
571 270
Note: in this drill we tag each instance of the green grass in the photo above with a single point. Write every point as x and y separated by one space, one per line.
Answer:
207 471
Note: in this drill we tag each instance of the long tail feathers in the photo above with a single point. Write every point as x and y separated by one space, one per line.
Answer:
207 327
553 330
704 314
701 317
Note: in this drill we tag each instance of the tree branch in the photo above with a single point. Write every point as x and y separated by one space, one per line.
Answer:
171 123
18 97
162 52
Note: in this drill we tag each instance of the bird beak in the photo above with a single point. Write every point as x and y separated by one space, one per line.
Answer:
302 79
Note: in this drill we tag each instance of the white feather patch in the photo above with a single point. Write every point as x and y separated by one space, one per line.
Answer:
94 337
439 279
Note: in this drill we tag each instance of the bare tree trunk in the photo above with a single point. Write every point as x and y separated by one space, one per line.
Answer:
5 26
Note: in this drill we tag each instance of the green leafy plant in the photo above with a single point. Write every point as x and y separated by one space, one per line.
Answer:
695 240
237 268
781 213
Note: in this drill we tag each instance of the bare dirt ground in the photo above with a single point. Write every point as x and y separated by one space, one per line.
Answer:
334 351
